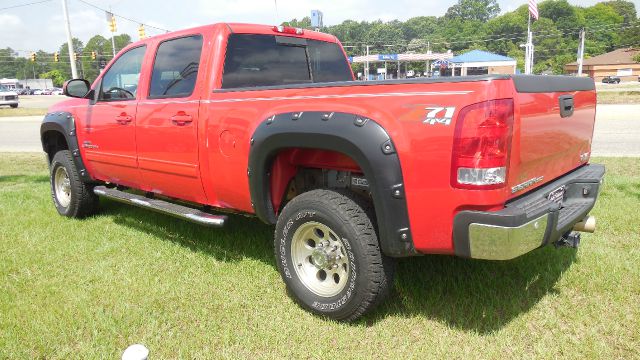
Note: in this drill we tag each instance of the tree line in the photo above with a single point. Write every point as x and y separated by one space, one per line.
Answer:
17 67
467 25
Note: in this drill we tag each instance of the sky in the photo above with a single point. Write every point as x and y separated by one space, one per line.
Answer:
41 26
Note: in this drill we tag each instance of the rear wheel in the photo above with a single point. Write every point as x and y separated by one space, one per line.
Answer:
14 105
71 196
328 255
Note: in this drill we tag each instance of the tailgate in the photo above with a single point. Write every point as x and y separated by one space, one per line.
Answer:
555 116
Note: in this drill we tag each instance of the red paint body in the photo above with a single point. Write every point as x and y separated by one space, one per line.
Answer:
205 159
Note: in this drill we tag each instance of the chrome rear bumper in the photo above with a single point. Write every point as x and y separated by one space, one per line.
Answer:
530 221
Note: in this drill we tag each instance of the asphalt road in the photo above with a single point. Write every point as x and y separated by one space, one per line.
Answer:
617 132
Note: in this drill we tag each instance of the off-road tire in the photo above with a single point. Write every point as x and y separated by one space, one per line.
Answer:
82 201
370 276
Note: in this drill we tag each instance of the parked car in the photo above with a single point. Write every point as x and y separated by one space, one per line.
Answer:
268 121
8 97
56 91
611 80
37 91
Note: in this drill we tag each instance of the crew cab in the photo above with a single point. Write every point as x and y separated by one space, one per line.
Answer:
267 121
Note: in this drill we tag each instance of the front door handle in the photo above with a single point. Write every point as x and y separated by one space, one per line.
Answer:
181 118
123 119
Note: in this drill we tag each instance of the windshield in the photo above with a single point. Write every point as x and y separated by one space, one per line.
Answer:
3 88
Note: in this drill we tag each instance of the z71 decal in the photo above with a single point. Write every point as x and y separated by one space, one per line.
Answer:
432 115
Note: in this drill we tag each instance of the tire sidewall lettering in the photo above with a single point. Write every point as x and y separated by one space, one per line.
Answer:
284 253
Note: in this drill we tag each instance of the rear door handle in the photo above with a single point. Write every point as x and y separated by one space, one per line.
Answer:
124 119
181 118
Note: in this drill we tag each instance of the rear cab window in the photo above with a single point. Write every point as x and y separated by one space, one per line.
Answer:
175 68
254 60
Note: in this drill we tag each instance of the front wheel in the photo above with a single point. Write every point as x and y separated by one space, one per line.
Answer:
71 196
328 254
14 105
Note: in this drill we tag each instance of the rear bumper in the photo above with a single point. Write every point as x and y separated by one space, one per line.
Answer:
530 221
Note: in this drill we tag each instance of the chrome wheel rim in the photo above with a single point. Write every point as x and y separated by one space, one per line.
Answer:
62 186
320 259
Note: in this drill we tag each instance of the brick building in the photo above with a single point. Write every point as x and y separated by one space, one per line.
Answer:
616 63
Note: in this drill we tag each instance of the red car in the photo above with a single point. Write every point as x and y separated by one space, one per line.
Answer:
267 121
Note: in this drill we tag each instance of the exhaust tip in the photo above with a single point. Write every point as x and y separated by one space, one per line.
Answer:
588 224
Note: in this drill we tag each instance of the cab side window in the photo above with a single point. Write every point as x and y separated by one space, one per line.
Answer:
175 68
120 82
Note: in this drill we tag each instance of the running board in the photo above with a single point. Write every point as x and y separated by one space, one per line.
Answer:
183 212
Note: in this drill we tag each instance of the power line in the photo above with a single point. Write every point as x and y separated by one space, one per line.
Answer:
27 4
123 17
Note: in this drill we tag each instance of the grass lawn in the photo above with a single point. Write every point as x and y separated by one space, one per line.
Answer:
88 289
8 111
619 97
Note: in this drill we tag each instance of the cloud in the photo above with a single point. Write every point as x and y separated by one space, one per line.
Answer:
14 31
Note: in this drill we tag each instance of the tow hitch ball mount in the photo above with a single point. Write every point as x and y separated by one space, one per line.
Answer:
570 239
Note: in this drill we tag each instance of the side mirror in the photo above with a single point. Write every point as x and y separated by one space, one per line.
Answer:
77 88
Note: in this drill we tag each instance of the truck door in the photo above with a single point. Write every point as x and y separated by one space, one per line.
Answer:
110 146
167 127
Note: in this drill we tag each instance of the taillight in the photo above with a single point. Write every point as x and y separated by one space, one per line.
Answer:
481 145
288 30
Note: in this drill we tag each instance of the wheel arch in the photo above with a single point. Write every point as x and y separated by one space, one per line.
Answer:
58 132
361 139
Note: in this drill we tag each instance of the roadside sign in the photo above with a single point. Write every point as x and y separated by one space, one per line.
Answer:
388 57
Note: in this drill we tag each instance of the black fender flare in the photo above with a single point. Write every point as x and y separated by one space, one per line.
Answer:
63 122
360 138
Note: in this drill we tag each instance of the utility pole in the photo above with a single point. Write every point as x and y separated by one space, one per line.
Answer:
366 69
581 51
65 10
113 32
528 55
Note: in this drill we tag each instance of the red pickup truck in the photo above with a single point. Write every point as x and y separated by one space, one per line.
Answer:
268 121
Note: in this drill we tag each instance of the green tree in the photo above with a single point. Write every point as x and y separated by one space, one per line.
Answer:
8 63
562 14
422 27
602 19
64 65
480 10
56 77
626 9
506 32
121 41
304 23
97 44
385 37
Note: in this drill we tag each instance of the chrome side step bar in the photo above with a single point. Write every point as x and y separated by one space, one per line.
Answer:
165 207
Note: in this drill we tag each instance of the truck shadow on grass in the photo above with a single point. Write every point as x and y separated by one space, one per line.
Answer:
472 295
477 295
18 179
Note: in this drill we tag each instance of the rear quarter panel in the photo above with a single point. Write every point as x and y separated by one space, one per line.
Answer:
424 150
